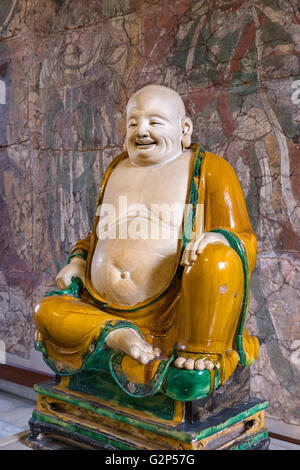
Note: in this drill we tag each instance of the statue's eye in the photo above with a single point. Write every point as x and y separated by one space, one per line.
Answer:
155 123
132 124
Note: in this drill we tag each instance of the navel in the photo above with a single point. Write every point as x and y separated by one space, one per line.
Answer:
125 275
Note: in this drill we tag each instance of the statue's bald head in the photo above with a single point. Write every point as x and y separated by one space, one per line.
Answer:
157 127
165 97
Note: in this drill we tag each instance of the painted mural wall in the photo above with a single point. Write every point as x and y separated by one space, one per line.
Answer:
67 69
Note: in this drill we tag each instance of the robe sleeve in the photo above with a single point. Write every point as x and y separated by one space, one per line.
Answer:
81 248
225 206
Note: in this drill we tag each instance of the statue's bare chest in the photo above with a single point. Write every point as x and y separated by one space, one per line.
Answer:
152 187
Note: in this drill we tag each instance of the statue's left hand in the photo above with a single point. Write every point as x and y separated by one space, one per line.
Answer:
197 245
76 268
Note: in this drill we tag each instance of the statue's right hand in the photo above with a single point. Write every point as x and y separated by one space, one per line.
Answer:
197 245
75 268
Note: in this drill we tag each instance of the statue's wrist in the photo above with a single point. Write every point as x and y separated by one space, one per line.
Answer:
77 258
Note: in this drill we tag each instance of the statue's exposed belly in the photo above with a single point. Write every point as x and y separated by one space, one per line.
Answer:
138 259
129 271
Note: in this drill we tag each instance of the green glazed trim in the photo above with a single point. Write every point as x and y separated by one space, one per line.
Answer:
83 255
51 363
231 421
189 385
137 390
238 246
252 441
83 431
115 365
193 199
102 385
39 346
58 367
73 289
98 361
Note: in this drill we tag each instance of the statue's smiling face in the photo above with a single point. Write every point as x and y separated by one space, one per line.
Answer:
154 126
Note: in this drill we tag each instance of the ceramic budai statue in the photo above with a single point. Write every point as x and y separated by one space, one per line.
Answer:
161 284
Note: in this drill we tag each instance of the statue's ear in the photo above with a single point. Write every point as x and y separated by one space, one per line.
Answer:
187 129
125 146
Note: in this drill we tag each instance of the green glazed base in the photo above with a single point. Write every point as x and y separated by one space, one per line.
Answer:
184 434
77 435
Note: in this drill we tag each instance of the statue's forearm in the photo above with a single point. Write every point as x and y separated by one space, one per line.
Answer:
82 245
80 248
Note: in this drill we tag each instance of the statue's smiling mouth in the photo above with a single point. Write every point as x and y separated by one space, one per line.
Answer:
145 144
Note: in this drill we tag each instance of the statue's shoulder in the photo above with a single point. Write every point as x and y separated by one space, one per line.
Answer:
213 160
217 170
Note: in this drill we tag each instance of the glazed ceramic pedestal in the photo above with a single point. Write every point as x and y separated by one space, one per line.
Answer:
67 417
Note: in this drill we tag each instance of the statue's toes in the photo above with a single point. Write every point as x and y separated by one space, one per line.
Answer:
145 358
135 351
140 355
199 364
180 362
209 365
147 348
189 364
184 363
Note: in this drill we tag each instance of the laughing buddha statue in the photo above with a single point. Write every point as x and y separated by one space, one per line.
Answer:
161 284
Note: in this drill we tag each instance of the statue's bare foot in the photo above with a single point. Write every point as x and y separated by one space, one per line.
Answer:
200 362
130 342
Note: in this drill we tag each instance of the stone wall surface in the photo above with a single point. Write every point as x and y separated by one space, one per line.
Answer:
67 68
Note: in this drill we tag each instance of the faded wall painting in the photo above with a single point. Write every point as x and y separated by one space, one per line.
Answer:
67 69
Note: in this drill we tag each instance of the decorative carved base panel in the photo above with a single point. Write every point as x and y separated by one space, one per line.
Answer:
66 419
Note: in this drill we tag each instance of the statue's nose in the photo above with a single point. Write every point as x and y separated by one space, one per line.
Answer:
142 130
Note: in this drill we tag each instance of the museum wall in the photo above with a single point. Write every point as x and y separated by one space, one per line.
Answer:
67 69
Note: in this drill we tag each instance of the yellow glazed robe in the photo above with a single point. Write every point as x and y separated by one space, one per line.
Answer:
202 312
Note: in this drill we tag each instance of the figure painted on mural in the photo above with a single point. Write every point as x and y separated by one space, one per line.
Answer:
166 269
